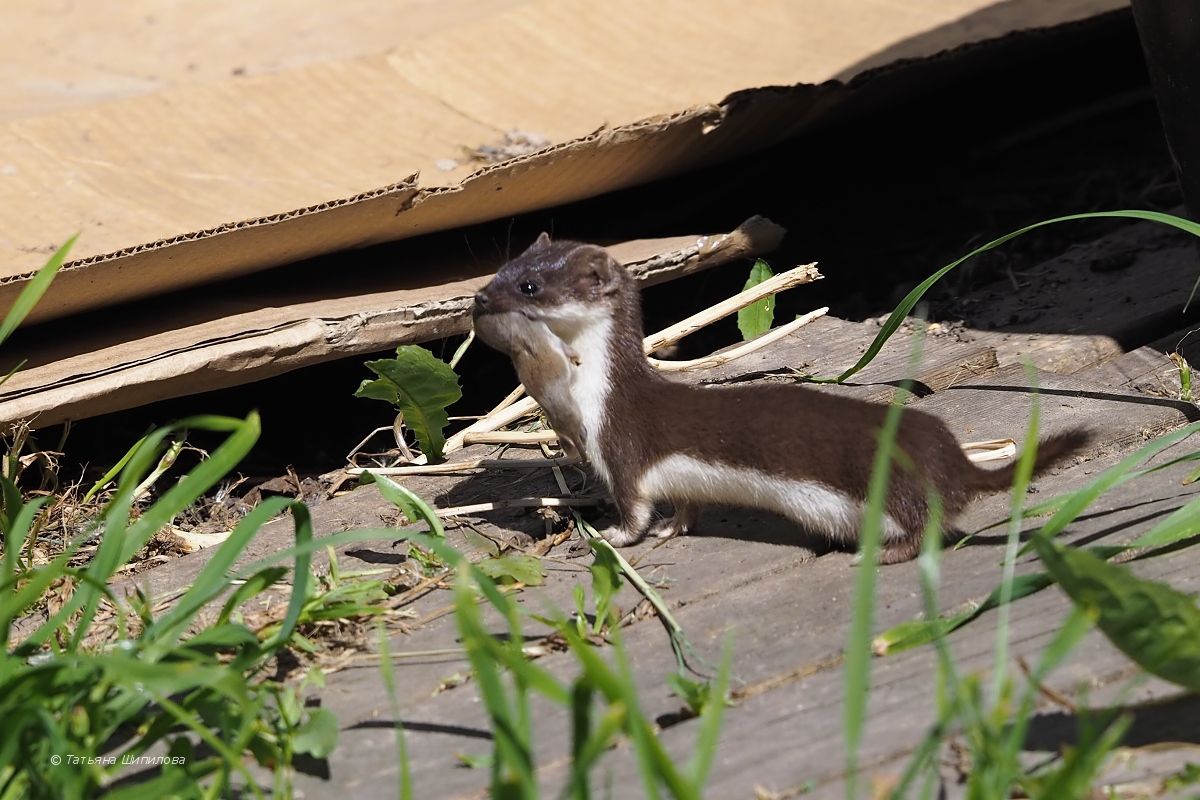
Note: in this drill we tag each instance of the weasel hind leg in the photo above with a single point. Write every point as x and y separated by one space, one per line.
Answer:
679 524
901 550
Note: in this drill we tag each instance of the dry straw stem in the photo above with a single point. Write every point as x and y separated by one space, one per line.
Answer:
523 502
511 437
743 349
512 409
474 465
990 450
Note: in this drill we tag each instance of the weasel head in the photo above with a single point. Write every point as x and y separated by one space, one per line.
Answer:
568 286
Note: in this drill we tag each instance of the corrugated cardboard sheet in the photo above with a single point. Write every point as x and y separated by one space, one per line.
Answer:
210 179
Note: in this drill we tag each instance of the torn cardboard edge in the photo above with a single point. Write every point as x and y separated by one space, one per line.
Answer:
606 160
133 367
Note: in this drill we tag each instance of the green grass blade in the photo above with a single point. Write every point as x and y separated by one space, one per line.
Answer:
512 764
582 694
679 641
212 579
243 434
387 669
858 646
1075 503
408 501
122 540
1020 485
231 758
16 533
113 472
1182 524
34 289
301 575
896 319
1064 641
710 722
916 632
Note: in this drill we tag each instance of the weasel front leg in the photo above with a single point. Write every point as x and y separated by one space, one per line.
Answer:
569 448
634 518
682 522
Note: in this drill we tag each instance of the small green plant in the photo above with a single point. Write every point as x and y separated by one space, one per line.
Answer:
421 386
1185 377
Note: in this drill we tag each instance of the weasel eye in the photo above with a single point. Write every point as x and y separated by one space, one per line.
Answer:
528 287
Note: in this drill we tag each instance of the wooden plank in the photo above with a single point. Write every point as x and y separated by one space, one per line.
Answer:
1145 370
1064 353
1148 271
788 625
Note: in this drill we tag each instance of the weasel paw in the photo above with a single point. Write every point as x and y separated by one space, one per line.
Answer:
669 528
619 537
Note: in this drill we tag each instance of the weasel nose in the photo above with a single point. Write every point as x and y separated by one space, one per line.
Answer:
481 300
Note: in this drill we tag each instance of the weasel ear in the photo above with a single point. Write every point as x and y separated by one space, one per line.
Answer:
602 270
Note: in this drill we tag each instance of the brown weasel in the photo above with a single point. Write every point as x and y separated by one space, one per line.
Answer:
805 454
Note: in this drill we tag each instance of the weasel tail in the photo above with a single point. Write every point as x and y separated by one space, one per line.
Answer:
1051 451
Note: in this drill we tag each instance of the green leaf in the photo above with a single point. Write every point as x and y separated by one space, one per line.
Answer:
516 569
379 389
1188 776
756 319
318 734
1153 624
34 289
421 386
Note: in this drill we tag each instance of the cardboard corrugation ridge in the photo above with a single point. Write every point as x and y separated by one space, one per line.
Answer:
74 388
409 184
610 158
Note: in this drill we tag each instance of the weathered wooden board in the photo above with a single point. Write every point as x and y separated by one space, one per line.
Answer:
788 619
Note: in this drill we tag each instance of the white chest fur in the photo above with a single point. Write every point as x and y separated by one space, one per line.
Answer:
590 384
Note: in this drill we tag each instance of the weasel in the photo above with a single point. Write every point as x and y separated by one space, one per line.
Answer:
570 317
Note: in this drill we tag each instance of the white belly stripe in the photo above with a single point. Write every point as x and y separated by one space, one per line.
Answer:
814 505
